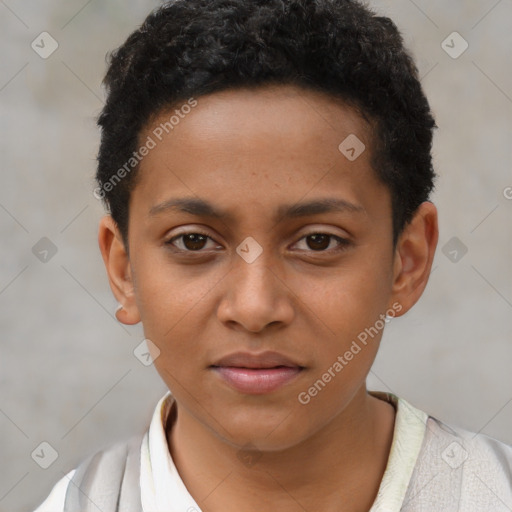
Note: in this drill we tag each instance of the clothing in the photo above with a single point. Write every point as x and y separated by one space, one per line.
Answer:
432 467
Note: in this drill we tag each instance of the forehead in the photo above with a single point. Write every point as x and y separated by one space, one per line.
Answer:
290 111
260 143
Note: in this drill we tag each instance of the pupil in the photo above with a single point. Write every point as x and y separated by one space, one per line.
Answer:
193 238
316 239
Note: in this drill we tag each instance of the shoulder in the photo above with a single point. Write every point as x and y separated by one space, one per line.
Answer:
470 449
55 500
112 473
460 468
482 458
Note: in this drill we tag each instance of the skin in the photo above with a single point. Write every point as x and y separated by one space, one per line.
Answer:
249 152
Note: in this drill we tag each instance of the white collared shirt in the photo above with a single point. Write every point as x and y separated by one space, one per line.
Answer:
163 490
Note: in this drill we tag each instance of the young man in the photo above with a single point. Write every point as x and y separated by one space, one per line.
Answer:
266 166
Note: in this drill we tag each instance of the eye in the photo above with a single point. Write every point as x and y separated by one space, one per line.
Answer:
195 241
192 241
319 242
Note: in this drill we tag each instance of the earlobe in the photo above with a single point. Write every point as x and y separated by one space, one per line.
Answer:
414 255
118 269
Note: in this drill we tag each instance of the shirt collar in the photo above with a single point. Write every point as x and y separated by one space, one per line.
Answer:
408 436
162 489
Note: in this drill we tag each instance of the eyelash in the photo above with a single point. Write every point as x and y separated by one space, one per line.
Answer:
343 242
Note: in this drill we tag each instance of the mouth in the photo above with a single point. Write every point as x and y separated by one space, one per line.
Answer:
256 373
257 381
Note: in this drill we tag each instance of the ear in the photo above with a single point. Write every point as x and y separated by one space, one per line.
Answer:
118 269
413 258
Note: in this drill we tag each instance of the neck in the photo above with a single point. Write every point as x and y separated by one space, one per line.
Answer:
341 463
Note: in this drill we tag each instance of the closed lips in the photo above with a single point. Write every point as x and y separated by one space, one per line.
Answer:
264 360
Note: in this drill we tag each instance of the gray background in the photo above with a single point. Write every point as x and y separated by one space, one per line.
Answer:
67 370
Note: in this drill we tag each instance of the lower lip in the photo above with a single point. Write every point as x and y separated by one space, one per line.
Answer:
256 381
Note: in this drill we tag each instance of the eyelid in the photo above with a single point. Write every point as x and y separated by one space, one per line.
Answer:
343 241
313 231
326 231
195 231
188 231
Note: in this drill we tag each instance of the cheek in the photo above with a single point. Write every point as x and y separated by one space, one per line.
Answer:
170 297
175 308
345 300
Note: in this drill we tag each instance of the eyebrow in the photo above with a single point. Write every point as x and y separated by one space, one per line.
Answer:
202 208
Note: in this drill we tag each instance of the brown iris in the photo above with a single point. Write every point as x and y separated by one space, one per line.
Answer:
318 241
194 241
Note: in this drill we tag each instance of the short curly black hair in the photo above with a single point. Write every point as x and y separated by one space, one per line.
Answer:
188 48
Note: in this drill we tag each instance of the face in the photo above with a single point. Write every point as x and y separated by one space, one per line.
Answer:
252 232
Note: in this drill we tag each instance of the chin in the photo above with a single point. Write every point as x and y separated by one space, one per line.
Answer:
262 434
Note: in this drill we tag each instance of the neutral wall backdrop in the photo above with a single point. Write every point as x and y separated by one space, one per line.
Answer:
68 374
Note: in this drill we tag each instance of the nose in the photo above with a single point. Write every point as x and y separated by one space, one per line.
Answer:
255 295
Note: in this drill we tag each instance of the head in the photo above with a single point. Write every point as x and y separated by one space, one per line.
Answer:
266 167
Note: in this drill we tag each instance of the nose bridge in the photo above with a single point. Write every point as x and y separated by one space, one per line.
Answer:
255 296
252 267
